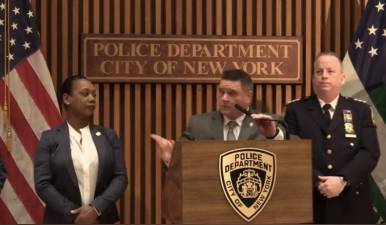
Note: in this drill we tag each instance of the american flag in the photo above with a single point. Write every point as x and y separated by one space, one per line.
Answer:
365 69
28 106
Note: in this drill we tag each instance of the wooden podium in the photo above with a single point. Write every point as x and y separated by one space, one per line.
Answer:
193 192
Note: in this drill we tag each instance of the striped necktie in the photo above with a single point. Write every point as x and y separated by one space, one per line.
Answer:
231 134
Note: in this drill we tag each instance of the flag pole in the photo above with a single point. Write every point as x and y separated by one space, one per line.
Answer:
6 105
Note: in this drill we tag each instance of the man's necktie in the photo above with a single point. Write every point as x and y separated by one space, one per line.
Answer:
326 114
231 134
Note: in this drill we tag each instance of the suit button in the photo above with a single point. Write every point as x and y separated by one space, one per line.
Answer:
330 167
357 192
329 151
328 136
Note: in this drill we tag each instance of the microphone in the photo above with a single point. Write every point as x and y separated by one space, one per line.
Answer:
243 110
280 122
248 113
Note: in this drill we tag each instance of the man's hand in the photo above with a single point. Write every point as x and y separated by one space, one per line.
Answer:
86 215
330 186
164 148
264 124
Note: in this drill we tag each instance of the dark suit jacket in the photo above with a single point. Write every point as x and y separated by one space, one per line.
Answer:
209 126
2 174
352 158
56 181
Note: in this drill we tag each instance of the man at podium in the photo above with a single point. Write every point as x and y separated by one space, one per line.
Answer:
229 123
344 144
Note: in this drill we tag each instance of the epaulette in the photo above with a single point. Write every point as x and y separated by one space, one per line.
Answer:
359 100
356 99
294 100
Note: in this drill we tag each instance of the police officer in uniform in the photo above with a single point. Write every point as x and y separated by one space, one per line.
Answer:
344 144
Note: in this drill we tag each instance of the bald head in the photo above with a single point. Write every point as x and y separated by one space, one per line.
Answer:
328 76
330 54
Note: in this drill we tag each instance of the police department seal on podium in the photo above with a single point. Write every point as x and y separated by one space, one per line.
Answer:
248 178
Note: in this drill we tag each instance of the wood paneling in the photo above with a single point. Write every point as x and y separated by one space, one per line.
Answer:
136 110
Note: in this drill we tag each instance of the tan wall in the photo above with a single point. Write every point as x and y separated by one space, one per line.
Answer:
135 110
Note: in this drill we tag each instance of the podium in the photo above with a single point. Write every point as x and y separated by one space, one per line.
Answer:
195 192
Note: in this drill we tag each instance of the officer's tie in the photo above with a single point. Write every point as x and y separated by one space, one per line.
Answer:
231 134
326 114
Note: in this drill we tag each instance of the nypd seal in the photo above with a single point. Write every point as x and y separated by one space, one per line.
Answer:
247 177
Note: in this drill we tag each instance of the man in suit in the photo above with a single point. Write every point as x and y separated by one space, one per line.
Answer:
228 123
345 148
235 87
2 174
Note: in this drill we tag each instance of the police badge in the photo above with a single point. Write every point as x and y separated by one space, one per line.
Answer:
247 177
348 124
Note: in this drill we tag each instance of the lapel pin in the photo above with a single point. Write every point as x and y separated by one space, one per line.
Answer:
98 133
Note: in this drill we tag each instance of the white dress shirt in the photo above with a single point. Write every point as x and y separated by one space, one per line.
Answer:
333 104
85 159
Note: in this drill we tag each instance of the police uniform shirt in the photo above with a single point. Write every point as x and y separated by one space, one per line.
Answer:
333 104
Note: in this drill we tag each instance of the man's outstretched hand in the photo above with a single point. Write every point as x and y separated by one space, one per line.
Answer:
164 148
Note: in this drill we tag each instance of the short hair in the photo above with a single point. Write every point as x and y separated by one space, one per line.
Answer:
68 86
333 54
239 75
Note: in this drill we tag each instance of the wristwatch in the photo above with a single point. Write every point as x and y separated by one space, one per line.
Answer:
343 181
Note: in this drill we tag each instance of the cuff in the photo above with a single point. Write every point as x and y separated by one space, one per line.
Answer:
276 134
344 181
